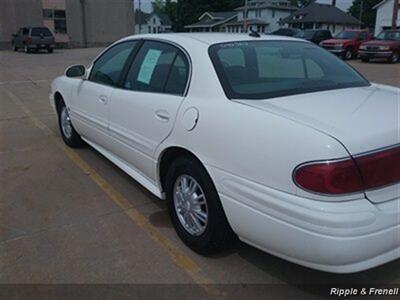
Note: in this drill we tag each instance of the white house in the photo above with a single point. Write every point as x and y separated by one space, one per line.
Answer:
151 23
384 13
262 15
212 21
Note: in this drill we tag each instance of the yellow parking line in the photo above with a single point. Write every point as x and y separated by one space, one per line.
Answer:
177 256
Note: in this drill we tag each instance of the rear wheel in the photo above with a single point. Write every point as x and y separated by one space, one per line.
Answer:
15 48
195 208
68 133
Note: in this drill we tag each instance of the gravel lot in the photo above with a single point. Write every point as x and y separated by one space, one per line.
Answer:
71 216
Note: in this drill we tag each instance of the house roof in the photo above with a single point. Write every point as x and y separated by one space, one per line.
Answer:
249 22
380 3
141 17
320 13
273 4
214 19
165 20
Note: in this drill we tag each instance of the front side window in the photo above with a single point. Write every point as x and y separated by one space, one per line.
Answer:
267 69
108 68
158 68
347 35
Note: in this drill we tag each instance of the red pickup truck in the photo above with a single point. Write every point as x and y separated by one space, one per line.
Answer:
347 43
386 46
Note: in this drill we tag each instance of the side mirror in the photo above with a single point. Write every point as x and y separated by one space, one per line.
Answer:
75 71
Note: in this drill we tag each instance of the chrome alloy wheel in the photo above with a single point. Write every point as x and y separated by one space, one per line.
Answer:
66 124
190 205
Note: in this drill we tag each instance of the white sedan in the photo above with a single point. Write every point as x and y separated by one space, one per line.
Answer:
269 139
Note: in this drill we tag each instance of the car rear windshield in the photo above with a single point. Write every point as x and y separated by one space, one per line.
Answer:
267 69
38 31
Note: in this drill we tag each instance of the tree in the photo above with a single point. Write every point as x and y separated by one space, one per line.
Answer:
368 13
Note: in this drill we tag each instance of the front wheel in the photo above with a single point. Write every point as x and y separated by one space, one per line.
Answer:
365 59
15 48
348 54
394 58
195 208
68 133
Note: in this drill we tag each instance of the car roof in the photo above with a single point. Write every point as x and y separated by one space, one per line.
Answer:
210 38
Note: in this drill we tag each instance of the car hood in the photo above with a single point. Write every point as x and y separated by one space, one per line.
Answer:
336 41
381 43
362 118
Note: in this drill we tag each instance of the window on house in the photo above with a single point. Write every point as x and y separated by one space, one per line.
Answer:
273 13
47 14
59 18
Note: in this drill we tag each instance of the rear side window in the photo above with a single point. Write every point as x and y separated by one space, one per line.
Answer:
158 68
267 69
108 68
38 31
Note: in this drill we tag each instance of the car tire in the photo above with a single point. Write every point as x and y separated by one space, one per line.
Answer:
216 233
365 59
15 48
348 54
50 50
394 58
68 132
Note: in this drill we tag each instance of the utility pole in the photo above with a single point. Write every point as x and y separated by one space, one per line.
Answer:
361 12
140 16
83 20
245 22
395 14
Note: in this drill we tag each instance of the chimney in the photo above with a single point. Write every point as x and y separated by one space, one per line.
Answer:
333 2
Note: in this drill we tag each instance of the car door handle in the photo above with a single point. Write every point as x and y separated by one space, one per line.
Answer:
103 99
162 115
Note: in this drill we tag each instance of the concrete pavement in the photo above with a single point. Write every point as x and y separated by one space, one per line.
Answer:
70 216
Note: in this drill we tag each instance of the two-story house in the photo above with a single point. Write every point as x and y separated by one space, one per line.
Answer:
384 14
262 16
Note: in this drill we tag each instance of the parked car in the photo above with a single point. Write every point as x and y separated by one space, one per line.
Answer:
346 44
316 36
386 45
33 39
286 31
288 147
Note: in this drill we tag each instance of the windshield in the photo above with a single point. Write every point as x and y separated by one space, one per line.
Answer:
389 36
307 34
37 31
347 35
267 69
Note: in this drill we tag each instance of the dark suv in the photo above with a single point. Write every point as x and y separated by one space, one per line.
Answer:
316 36
33 39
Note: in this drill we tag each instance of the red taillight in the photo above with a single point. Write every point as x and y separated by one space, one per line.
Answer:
349 176
380 168
337 177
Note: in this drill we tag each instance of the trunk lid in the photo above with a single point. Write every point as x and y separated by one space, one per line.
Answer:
363 119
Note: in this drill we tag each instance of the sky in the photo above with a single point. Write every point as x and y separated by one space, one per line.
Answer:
342 4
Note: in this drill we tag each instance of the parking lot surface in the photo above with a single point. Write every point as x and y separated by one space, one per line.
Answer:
71 216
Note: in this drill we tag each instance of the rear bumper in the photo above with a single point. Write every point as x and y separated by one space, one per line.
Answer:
40 46
339 237
372 54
